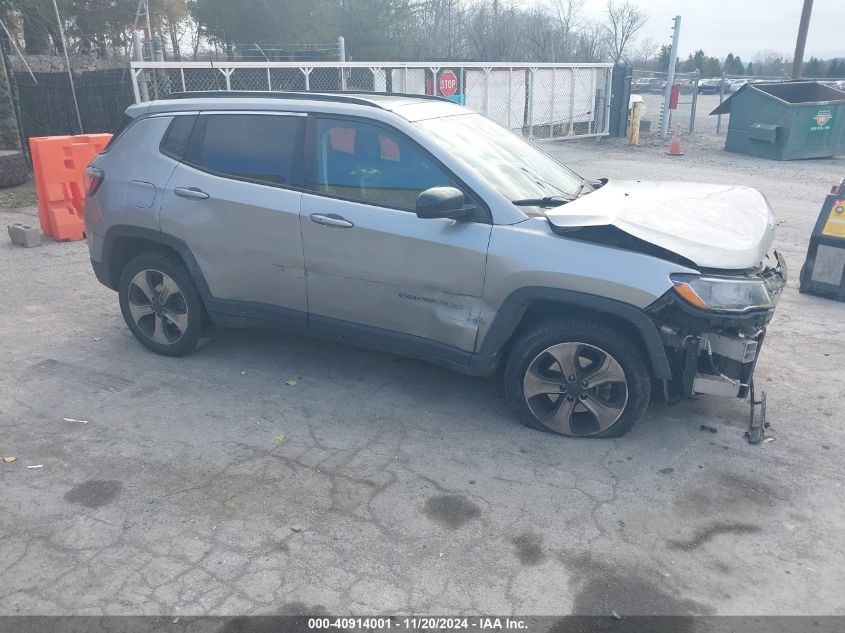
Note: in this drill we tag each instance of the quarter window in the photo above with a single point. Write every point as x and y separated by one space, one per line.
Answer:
175 140
367 163
258 147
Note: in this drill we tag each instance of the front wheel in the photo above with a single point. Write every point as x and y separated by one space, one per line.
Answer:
578 378
162 306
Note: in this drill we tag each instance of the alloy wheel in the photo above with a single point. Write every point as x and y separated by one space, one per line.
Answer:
575 389
158 307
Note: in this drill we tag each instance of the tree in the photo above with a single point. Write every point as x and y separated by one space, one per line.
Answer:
623 21
265 21
646 52
664 55
733 65
836 70
174 21
814 68
566 14
770 63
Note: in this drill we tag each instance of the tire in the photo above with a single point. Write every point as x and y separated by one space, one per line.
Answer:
173 327
14 169
571 405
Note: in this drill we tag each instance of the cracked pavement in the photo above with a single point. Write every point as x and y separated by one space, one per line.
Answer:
399 486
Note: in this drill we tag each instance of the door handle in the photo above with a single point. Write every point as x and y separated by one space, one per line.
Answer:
190 192
331 220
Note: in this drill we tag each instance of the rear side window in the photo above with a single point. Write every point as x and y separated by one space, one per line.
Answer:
175 141
256 147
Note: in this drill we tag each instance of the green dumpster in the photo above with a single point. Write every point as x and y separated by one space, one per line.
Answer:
786 120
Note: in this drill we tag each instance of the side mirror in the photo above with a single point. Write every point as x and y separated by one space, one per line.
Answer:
441 202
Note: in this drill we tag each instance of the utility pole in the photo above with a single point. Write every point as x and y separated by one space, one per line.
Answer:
670 78
803 27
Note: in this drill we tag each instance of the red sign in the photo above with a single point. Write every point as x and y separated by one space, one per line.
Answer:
448 83
673 96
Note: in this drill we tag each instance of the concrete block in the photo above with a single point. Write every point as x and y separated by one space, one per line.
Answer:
24 235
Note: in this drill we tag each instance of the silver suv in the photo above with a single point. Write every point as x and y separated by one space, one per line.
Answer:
413 224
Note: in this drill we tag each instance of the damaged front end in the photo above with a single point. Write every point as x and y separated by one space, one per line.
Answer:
712 327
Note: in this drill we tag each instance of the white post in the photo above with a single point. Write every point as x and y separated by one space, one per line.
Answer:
670 78
530 104
341 57
487 72
571 121
141 93
135 72
510 95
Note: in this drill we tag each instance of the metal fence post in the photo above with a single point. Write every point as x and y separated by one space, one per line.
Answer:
571 119
721 98
670 78
487 72
141 93
608 93
510 94
694 101
530 103
341 56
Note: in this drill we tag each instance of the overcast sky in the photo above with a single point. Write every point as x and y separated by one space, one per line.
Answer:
744 27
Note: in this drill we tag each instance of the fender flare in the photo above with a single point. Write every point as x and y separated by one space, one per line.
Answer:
513 308
119 231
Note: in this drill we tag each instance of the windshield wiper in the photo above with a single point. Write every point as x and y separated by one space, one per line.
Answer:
584 183
548 201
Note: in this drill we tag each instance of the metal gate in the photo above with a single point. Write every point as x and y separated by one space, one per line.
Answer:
538 100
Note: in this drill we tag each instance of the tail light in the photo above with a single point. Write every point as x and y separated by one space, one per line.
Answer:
93 179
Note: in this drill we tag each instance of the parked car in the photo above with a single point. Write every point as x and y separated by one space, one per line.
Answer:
646 84
416 225
712 85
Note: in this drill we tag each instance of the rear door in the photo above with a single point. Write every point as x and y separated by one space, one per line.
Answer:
375 270
234 201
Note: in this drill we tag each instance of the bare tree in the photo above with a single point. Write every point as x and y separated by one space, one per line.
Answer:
646 52
566 13
624 19
591 44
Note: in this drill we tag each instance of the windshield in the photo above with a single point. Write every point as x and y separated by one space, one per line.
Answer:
518 169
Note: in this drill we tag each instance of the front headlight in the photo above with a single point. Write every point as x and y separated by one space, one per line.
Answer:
723 294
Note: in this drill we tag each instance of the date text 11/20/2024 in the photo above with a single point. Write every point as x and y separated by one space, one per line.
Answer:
420 623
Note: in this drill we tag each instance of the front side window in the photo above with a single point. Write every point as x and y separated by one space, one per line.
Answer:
257 147
367 163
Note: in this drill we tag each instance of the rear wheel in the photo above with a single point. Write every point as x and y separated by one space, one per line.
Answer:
578 378
161 305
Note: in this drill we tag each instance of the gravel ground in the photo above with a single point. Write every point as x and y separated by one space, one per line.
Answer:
374 484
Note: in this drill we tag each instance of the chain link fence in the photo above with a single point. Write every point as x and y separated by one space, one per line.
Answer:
46 106
651 86
541 101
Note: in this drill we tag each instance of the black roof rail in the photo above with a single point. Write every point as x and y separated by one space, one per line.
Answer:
341 96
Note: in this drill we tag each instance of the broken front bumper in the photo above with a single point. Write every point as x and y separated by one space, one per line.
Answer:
710 352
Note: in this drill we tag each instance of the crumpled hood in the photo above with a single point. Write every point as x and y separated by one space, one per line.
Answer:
715 226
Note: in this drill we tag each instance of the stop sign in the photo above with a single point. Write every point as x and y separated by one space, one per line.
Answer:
448 83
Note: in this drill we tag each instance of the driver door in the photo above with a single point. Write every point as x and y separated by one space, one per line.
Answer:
376 271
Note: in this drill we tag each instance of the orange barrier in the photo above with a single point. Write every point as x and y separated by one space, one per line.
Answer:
58 163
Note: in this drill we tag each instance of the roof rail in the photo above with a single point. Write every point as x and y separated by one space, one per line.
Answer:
341 96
